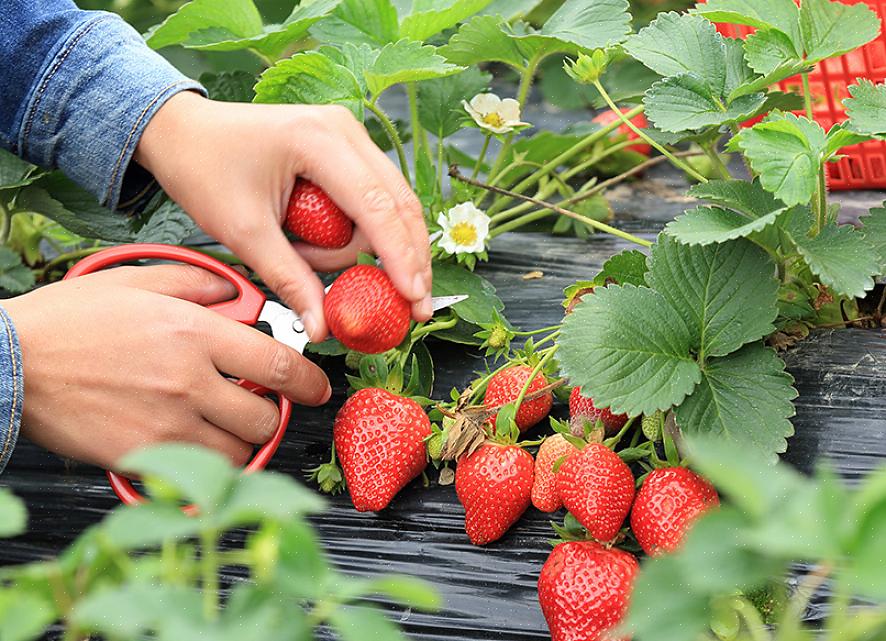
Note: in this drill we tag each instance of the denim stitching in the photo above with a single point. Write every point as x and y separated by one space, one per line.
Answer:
15 389
135 127
49 75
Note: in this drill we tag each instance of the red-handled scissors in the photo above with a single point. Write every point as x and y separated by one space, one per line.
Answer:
249 307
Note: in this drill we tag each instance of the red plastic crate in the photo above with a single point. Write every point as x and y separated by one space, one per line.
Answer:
864 165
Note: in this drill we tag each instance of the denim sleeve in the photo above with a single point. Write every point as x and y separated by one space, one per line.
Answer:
79 87
12 388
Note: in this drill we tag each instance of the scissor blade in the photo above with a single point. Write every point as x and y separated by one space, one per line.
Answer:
442 302
285 324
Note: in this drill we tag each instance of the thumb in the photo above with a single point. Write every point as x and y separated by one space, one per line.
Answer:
186 282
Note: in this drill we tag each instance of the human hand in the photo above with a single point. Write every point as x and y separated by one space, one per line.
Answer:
232 167
122 359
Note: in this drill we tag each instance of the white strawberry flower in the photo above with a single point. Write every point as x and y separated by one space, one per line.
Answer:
463 229
494 114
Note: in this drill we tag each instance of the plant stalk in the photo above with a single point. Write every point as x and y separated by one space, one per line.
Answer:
394 137
807 96
434 327
482 156
209 570
549 354
418 140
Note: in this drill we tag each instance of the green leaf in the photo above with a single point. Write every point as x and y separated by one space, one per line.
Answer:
675 44
75 209
865 546
726 293
15 172
770 50
831 28
787 151
451 280
127 611
13 515
744 398
278 37
229 86
685 103
740 195
867 108
355 58
634 363
625 268
200 20
430 17
587 24
361 623
874 230
761 14
310 78
147 525
169 225
840 136
24 616
439 100
257 497
406 61
356 22
201 475
15 277
301 570
483 39
407 591
510 9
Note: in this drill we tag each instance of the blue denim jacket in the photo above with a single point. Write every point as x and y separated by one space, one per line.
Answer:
77 89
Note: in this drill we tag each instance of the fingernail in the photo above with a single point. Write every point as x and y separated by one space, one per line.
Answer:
426 307
310 323
419 288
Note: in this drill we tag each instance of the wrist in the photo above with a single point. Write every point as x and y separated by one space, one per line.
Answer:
167 129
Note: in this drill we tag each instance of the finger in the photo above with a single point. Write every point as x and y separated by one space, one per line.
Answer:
272 256
179 281
249 417
212 436
331 260
244 352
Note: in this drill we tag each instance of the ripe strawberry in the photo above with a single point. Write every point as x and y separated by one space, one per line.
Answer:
597 487
669 501
380 441
365 312
494 484
584 589
544 493
505 387
313 217
582 410
608 117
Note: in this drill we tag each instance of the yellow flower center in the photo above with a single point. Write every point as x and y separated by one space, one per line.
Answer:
464 233
494 120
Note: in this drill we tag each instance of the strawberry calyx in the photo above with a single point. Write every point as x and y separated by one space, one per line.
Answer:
328 475
572 530
375 371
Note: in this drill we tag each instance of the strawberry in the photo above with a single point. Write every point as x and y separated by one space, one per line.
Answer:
494 484
544 494
365 312
582 410
380 441
608 117
313 217
584 589
597 487
505 387
669 501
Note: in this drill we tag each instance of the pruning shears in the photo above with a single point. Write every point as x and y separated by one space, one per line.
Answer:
249 307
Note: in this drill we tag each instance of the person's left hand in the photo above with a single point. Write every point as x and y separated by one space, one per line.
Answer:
232 167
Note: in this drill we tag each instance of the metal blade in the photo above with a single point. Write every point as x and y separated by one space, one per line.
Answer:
285 324
442 302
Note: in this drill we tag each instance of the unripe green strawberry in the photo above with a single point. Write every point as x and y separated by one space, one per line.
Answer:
651 425
435 446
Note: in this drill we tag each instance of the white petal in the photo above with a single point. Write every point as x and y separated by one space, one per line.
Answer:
486 102
509 110
443 221
447 244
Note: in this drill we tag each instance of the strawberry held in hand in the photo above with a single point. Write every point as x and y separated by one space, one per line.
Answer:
544 490
584 589
505 387
313 217
365 312
668 503
380 441
494 484
582 411
597 487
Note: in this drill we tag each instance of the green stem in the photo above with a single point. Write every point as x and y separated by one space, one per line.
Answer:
717 162
433 327
630 125
209 570
550 337
482 156
417 130
807 96
496 166
527 77
64 259
168 559
549 354
394 137
752 620
822 199
613 442
566 156
5 223
440 172
552 328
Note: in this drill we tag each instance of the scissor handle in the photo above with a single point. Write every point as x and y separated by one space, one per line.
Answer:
127 493
245 308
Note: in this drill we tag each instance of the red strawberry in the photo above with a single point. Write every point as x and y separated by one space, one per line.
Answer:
365 312
608 117
494 484
313 217
597 487
380 441
669 501
505 387
584 589
582 410
544 494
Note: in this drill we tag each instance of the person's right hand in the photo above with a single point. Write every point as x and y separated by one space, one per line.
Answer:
124 358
